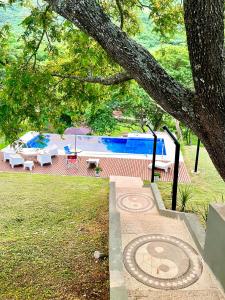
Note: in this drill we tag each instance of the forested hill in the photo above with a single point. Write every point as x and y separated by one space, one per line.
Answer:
15 14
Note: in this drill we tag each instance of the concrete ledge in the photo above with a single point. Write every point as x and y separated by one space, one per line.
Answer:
215 241
196 229
191 220
117 286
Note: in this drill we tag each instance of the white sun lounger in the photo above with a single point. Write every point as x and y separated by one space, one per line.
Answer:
8 153
52 150
162 165
44 159
16 160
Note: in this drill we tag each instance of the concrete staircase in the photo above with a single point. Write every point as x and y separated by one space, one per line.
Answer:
140 217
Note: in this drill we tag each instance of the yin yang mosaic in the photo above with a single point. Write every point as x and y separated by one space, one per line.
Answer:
133 202
162 262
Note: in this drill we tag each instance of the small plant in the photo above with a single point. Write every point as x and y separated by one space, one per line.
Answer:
203 211
185 194
157 174
146 183
98 169
221 200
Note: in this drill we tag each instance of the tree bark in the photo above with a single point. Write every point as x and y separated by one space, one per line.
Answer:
203 110
204 20
178 129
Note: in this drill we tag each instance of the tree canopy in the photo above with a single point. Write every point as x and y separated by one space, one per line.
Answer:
96 42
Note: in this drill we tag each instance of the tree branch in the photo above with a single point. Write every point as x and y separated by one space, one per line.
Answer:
120 8
44 31
142 5
134 58
111 80
34 54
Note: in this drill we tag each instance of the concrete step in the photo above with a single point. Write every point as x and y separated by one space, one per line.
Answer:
134 189
209 294
135 200
126 182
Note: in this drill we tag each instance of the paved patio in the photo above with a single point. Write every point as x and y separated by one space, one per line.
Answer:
110 166
160 258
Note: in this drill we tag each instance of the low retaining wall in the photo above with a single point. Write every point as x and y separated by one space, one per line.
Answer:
211 244
191 220
117 286
214 253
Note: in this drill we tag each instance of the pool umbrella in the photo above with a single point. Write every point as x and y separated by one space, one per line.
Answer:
78 130
75 143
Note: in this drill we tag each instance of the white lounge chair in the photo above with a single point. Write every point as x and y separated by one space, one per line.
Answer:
44 159
52 150
16 160
7 154
162 165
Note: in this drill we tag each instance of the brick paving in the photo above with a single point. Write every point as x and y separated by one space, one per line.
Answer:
110 166
155 268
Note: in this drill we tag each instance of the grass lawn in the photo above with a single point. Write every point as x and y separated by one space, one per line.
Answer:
123 128
2 142
205 187
50 227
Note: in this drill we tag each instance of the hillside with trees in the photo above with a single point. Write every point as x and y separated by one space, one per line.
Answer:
14 15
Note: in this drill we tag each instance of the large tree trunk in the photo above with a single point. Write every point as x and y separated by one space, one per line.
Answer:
204 20
202 111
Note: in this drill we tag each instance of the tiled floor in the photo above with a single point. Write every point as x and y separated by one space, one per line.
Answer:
110 166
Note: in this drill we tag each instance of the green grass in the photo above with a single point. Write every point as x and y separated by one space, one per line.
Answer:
50 227
206 187
123 128
3 143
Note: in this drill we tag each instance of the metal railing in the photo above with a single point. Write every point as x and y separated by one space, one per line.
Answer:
154 152
176 168
197 156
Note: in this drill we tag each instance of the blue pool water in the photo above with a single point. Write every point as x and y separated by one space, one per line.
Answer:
125 145
134 145
40 141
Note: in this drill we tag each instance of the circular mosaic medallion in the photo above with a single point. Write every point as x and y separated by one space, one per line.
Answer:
134 202
162 262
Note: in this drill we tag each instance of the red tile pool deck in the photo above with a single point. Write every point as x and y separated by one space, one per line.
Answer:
110 166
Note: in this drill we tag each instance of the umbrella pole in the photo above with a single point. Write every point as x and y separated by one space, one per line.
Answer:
75 143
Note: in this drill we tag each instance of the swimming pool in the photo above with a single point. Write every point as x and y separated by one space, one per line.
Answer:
134 145
123 145
39 141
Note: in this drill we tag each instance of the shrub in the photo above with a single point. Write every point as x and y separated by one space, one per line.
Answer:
157 174
185 194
